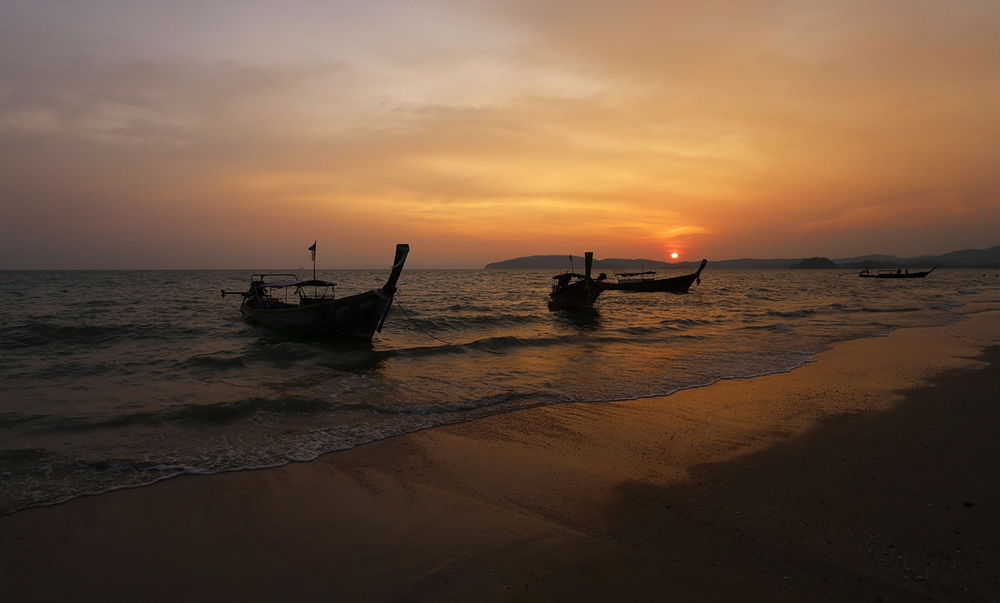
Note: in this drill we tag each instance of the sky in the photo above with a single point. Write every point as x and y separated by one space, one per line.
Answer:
205 134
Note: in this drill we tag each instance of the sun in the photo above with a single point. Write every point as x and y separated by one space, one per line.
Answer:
674 255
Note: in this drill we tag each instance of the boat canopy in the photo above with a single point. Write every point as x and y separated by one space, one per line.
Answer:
309 283
634 273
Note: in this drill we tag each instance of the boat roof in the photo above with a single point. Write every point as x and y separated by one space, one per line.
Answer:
309 283
635 273
570 274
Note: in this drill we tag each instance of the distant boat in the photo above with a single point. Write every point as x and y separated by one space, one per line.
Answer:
898 273
573 291
644 281
310 306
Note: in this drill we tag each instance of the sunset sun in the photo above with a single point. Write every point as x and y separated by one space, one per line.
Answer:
674 255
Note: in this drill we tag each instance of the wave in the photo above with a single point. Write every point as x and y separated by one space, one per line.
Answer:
214 362
453 323
27 483
415 409
10 419
127 466
488 344
13 456
684 322
97 303
40 333
223 412
792 313
511 342
779 327
280 353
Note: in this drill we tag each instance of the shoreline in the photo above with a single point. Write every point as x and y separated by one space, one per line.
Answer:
808 358
678 496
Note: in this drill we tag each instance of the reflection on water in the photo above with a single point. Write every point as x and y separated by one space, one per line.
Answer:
582 319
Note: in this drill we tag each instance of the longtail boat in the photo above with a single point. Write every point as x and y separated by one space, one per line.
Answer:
898 273
310 306
644 282
573 291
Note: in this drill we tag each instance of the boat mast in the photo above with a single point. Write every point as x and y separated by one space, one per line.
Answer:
312 250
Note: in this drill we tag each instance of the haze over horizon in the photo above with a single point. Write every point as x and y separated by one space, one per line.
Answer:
233 134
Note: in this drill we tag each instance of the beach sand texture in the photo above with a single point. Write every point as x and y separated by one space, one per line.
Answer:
869 474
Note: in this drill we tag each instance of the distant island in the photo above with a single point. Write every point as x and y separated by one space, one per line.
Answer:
816 263
966 258
559 262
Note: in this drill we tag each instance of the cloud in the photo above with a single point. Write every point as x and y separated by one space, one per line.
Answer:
737 127
922 210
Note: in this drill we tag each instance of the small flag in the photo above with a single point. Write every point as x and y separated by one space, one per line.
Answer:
312 248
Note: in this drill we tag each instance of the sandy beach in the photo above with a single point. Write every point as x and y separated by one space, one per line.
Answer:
867 475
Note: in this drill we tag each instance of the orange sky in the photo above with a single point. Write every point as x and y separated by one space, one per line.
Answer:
233 134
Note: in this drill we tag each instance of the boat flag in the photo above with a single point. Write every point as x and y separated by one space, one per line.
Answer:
312 248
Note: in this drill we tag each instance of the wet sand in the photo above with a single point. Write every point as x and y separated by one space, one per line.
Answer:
867 475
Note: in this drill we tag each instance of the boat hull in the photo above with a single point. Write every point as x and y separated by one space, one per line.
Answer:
918 275
677 284
576 296
356 316
896 274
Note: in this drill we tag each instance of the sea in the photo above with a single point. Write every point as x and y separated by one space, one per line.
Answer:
119 379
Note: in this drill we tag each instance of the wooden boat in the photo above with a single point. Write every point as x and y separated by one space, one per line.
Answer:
310 306
898 273
573 291
627 281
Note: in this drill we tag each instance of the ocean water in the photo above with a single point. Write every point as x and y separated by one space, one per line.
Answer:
115 379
